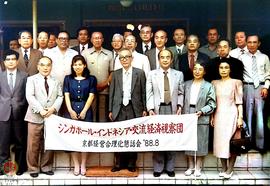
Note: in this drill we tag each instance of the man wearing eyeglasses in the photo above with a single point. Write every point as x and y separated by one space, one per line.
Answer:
126 101
139 60
61 56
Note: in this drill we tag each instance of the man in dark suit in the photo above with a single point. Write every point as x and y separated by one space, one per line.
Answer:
146 36
28 57
126 101
186 61
160 40
83 39
236 65
12 110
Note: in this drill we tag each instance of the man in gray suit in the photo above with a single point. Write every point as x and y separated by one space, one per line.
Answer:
160 40
179 37
44 95
164 95
28 57
12 110
126 101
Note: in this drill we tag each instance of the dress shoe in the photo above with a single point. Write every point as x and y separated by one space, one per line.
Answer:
34 175
19 173
228 176
131 169
197 173
115 169
170 173
157 174
221 174
50 173
189 172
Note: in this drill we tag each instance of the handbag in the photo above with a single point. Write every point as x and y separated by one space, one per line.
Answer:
240 143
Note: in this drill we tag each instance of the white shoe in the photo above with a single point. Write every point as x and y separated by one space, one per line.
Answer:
221 174
189 172
228 176
197 173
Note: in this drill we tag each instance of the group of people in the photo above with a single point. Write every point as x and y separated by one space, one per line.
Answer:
90 83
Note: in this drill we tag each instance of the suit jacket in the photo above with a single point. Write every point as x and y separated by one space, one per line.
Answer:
183 64
35 55
175 53
206 101
139 47
151 54
154 89
38 99
137 92
12 101
77 48
236 66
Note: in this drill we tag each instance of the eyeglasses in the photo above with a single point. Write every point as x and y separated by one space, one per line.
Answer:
121 58
63 38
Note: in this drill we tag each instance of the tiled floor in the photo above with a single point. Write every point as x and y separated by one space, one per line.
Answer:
66 177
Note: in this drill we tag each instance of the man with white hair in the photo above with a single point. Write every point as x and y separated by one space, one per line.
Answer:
117 44
139 60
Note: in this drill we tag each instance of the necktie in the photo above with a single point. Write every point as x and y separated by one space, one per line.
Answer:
10 83
115 56
242 51
146 48
167 94
125 86
191 62
179 51
46 85
82 48
255 75
25 57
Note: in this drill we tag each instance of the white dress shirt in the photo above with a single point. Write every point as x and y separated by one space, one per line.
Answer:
14 72
237 52
263 67
85 47
195 89
28 52
144 48
127 79
179 48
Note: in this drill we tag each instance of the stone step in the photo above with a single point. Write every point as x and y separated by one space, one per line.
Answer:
66 177
251 160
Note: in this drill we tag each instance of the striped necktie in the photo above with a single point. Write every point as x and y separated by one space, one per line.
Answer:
255 75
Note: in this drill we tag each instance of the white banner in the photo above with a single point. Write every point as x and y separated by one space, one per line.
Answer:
150 133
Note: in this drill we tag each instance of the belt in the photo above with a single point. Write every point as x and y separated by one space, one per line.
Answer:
246 83
192 106
165 104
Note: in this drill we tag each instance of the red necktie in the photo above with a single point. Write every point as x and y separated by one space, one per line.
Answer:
191 62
